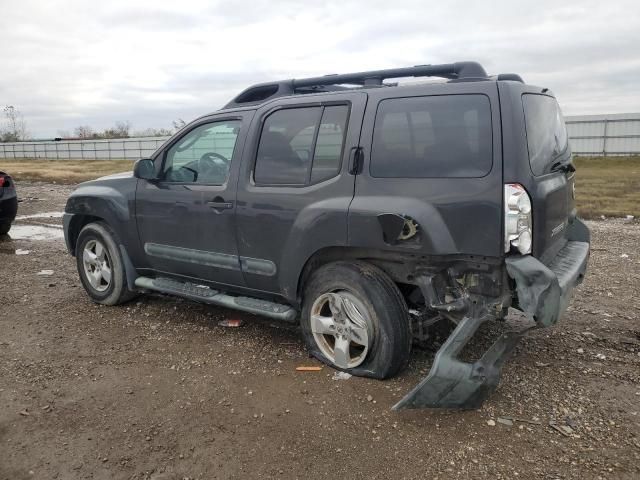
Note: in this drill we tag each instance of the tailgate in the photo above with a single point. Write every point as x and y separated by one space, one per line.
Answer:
553 174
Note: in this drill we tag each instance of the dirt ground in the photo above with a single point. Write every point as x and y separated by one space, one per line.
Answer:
155 389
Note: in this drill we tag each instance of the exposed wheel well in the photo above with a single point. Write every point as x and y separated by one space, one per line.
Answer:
332 254
477 275
77 223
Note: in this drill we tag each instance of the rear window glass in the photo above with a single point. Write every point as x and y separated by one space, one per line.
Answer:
299 146
546 132
437 136
284 152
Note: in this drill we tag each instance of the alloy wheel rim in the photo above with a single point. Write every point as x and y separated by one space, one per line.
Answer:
341 328
97 265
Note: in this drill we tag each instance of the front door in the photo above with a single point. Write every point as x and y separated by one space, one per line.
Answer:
186 219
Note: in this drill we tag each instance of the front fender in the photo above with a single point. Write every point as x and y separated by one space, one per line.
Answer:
111 200
99 201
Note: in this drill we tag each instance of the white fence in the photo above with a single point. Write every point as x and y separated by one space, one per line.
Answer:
589 135
604 135
117 149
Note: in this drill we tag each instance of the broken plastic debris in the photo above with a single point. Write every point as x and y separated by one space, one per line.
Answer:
233 323
45 272
20 251
308 369
341 376
565 430
624 255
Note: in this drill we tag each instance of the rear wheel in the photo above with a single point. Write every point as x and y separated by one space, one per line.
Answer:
100 265
355 319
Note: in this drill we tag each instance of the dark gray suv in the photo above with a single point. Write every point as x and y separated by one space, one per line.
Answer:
365 210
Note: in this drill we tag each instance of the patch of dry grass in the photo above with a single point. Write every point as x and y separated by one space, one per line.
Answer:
63 171
608 186
605 186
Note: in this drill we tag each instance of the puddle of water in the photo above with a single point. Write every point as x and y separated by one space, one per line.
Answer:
35 232
41 215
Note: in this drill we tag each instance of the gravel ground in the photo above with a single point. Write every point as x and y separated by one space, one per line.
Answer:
155 389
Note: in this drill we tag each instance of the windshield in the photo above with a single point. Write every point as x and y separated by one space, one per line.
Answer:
546 133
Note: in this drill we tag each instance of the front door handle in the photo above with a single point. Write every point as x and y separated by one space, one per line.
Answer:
219 204
356 160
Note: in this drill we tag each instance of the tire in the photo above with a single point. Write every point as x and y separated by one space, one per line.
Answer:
379 307
97 250
5 227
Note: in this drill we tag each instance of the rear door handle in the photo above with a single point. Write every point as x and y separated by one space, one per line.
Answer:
219 203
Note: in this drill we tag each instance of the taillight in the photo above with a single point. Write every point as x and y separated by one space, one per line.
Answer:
5 181
517 219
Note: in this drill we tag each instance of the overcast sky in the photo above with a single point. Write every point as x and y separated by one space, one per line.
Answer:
68 63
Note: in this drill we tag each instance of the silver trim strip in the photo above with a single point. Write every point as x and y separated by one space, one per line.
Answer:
257 266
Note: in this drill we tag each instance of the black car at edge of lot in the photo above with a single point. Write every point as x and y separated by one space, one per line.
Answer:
8 202
365 211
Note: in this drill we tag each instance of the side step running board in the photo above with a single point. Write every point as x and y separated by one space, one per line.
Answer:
214 297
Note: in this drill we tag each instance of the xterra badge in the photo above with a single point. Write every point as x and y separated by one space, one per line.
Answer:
557 229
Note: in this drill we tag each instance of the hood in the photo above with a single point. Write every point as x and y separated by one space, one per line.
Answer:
128 174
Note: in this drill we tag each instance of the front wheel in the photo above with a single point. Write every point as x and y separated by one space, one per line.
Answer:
5 226
100 265
355 319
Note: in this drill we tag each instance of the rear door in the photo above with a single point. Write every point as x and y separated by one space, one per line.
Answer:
432 177
294 190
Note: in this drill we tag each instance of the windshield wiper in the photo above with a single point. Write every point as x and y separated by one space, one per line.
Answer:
562 167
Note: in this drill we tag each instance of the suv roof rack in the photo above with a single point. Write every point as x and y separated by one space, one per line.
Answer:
459 71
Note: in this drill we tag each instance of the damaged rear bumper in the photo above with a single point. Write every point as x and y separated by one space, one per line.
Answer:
543 290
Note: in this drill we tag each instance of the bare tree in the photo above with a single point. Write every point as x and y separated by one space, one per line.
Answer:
121 130
84 132
153 132
16 128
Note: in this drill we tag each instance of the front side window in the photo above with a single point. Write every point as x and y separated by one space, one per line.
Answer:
300 146
436 136
203 155
546 132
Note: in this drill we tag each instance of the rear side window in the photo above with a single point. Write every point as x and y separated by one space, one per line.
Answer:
546 132
437 136
300 146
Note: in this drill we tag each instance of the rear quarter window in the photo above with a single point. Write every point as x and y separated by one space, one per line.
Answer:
435 136
547 138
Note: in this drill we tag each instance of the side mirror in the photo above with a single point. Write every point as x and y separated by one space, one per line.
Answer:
144 169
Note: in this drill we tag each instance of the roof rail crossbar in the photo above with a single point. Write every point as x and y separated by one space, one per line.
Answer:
453 71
